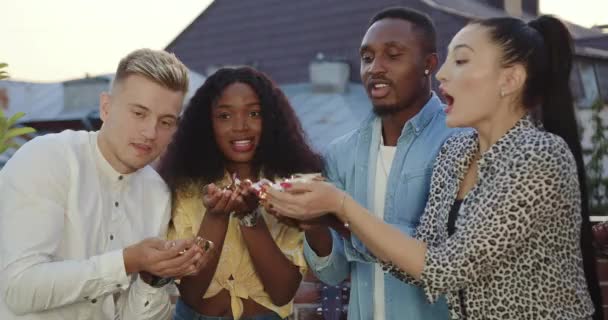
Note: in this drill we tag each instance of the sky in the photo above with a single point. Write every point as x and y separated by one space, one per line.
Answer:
51 40
45 41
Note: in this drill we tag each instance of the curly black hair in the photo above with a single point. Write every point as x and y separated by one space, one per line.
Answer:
193 155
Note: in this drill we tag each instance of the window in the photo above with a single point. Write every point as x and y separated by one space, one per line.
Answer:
601 70
584 83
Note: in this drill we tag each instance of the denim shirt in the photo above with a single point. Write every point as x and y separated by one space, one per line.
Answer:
351 166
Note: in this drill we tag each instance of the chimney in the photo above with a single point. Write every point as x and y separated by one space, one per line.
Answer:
328 76
514 8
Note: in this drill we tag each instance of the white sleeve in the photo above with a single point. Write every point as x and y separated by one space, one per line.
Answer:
34 186
142 301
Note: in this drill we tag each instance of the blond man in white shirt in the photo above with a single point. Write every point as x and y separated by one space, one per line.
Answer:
81 212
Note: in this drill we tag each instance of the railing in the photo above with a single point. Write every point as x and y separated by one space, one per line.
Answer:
598 218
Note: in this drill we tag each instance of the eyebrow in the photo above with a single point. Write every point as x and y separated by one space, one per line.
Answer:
228 106
364 48
137 105
395 44
462 46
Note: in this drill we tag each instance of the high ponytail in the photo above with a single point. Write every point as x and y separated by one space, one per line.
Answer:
558 117
544 47
549 82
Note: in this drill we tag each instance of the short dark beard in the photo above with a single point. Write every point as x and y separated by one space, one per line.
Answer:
388 110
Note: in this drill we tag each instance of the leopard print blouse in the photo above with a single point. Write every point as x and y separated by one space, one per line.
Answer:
515 253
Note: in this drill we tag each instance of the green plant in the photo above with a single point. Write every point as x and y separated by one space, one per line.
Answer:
7 131
596 172
3 74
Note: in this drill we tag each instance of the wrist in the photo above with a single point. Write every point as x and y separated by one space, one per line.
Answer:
154 281
219 218
146 277
129 255
250 220
339 210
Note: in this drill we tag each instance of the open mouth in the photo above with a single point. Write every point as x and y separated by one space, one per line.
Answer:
242 145
378 90
449 100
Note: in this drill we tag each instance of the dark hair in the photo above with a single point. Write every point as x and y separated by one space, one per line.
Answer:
421 22
193 155
544 47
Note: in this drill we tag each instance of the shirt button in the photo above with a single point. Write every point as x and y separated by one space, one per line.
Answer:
147 303
111 237
94 301
119 177
118 285
116 204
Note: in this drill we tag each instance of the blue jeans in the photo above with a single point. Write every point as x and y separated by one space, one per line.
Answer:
184 312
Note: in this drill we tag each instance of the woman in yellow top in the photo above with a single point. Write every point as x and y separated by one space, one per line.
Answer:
238 123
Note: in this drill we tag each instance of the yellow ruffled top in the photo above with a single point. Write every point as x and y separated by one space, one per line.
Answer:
187 215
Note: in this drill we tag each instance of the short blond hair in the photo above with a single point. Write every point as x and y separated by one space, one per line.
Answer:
159 66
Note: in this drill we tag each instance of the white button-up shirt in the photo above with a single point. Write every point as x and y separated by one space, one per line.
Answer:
65 217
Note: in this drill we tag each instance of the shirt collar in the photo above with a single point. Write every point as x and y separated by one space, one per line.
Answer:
104 166
470 146
508 141
425 115
418 123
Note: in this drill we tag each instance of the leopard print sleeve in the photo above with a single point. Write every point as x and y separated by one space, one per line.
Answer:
514 198
429 230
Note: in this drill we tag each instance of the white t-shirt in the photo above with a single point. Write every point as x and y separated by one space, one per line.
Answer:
384 161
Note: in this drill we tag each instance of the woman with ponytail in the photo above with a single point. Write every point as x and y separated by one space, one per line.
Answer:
505 233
